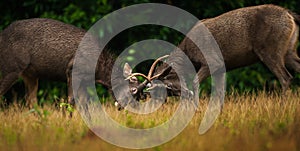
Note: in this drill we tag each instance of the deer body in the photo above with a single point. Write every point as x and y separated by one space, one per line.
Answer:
39 48
264 33
244 34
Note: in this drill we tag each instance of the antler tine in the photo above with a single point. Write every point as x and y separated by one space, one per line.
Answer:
154 64
155 76
137 74
148 78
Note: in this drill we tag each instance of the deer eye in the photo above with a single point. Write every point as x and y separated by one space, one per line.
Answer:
133 90
169 85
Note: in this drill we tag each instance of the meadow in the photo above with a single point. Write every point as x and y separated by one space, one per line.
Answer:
261 121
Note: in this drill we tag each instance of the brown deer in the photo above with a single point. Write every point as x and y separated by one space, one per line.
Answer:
265 33
39 48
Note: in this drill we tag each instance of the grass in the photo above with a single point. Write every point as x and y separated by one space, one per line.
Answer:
248 122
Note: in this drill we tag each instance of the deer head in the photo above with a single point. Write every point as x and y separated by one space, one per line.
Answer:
135 89
164 77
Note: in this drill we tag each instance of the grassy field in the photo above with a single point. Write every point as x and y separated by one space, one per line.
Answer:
248 122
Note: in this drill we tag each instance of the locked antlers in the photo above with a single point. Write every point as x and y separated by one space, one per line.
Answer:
149 77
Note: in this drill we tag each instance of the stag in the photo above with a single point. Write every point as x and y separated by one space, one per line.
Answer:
264 33
39 48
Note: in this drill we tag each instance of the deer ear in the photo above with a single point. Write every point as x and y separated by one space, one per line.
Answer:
127 70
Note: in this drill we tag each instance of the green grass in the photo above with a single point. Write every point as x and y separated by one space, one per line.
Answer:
248 122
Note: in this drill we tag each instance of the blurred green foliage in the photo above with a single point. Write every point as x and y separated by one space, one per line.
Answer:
84 14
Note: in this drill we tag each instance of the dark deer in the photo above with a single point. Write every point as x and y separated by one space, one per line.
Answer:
38 48
265 33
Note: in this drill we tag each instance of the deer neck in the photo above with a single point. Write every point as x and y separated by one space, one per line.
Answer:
104 69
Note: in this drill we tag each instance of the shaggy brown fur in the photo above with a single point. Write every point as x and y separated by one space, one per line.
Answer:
39 48
265 33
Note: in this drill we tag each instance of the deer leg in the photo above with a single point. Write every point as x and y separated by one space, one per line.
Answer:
292 61
31 84
276 64
202 74
219 87
7 81
71 100
81 93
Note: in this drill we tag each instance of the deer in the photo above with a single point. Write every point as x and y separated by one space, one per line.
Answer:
264 33
42 48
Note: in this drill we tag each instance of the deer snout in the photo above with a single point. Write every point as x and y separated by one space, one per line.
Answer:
119 106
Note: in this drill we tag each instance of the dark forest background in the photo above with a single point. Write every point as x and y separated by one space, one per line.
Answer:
84 14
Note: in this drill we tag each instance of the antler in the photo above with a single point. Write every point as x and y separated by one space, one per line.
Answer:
158 75
154 64
149 78
137 74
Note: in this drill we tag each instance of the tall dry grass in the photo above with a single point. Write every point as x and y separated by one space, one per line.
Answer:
248 122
